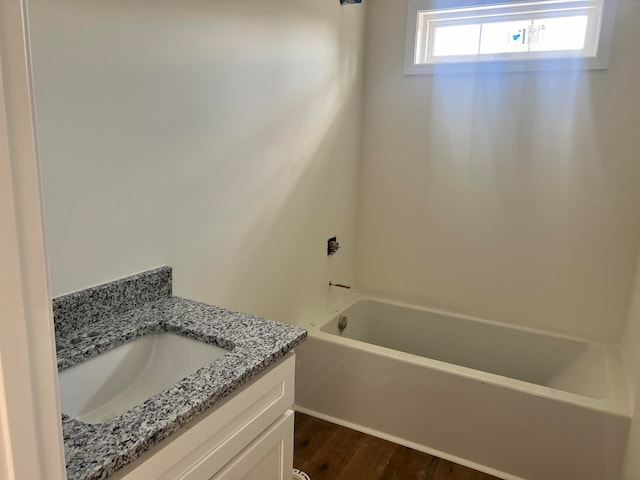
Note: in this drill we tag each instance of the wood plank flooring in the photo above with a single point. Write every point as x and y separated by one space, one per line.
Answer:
330 452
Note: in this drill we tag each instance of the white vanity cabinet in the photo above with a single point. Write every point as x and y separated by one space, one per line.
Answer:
249 436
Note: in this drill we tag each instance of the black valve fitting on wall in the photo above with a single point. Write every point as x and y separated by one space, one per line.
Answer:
332 245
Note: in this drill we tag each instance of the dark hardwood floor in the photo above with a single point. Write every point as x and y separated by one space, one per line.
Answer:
330 452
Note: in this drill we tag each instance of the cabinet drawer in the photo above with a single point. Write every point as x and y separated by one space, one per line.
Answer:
269 457
208 443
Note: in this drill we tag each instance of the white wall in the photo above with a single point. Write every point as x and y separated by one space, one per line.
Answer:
218 137
513 197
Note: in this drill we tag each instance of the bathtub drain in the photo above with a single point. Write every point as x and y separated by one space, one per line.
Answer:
342 323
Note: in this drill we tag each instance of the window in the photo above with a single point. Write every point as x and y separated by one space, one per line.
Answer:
521 35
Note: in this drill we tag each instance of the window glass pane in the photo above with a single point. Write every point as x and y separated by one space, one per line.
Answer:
456 40
560 33
541 35
505 37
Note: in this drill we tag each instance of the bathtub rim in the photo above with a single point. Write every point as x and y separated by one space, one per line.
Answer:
616 402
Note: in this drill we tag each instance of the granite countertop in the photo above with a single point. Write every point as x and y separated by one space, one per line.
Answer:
94 451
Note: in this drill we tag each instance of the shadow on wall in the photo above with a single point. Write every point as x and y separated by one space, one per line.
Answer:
299 187
218 137
277 252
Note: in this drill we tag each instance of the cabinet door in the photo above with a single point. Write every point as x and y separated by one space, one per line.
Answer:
268 457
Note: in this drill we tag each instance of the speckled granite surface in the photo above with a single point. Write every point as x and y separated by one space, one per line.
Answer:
79 309
96 451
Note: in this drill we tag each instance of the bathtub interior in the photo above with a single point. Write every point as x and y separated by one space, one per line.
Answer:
569 365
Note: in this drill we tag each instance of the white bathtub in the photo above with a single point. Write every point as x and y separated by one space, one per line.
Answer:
515 403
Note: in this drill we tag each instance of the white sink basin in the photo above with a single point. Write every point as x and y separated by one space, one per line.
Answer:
109 384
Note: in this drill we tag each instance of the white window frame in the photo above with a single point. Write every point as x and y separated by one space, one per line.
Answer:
595 55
